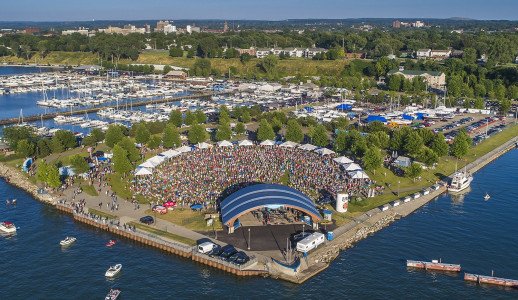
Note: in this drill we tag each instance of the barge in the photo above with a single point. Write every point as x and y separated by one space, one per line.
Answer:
481 279
434 265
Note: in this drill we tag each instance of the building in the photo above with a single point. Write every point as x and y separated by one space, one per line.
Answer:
432 78
424 53
31 30
310 52
440 54
396 24
169 28
176 75
82 31
355 55
293 52
160 26
250 51
127 29
402 162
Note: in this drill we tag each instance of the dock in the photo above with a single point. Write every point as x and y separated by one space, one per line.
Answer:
52 115
434 265
481 279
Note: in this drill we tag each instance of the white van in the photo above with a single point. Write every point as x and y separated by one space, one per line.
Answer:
205 247
311 242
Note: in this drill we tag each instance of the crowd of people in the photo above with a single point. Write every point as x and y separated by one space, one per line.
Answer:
207 175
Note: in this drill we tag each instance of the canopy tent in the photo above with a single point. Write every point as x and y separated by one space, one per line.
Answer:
157 159
224 144
343 160
184 149
358 175
267 143
308 147
170 153
352 167
324 151
142 172
66 171
289 144
203 145
148 164
245 143
344 107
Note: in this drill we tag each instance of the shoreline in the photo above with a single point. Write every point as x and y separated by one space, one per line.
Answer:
317 261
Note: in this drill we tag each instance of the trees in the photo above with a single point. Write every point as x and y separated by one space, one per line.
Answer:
320 137
245 117
43 148
372 159
14 134
176 52
67 138
171 137
142 133
413 171
175 118
121 163
240 128
505 106
41 171
340 123
56 145
202 67
197 134
276 125
268 65
190 118
340 142
265 131
79 164
153 142
224 115
460 146
428 156
53 178
439 145
25 148
200 116
379 139
413 144
132 152
113 135
223 132
294 131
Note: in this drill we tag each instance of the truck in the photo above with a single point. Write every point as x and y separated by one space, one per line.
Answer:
206 247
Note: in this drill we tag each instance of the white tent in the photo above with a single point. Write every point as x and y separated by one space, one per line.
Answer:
308 147
267 143
358 175
170 153
352 167
157 159
324 151
148 164
204 145
224 144
143 171
289 144
245 143
184 149
343 160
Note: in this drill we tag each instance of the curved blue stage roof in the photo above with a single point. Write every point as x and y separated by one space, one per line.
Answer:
261 195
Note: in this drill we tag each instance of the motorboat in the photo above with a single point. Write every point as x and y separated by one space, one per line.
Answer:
7 227
69 240
487 197
110 243
113 294
113 271
459 182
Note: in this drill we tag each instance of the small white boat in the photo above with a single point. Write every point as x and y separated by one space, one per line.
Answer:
113 271
7 227
487 197
69 240
460 181
113 294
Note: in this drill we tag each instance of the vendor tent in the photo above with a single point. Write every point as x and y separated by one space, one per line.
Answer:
224 144
157 159
267 143
184 149
245 143
148 164
308 147
358 175
203 145
324 151
352 167
343 160
289 144
142 172
170 153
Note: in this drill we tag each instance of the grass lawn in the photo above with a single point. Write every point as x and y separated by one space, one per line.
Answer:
121 186
101 213
189 219
164 234
89 190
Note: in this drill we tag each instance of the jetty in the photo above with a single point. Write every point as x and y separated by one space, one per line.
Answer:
481 279
33 118
434 265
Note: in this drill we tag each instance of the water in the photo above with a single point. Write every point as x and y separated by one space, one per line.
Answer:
8 70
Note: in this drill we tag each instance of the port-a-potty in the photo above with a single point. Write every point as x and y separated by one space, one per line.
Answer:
328 215
342 202
330 236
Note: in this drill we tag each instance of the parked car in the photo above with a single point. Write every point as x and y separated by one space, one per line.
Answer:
148 220
239 258
227 252
216 251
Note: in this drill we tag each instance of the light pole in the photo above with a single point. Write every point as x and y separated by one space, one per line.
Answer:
249 239
398 182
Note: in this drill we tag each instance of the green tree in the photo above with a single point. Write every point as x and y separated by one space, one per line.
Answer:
265 131
426 135
42 171
276 125
413 171
53 178
340 142
223 132
67 138
25 148
175 117
372 159
113 135
56 145
132 152
340 123
121 163
79 164
171 137
98 134
176 52
224 115
190 118
197 134
268 65
294 131
320 137
460 146
240 128
142 133
428 156
43 148
201 117
439 145
154 142
413 144
245 117
202 67
505 106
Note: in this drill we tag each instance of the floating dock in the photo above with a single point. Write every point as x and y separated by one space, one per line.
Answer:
481 279
434 265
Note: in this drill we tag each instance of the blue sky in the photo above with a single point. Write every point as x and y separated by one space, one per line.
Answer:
82 10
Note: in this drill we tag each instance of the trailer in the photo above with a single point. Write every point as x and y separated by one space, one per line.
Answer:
311 242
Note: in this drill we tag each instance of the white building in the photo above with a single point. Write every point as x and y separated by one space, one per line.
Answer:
169 28
440 53
82 31
424 53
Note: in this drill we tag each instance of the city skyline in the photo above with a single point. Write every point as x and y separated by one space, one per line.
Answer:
60 10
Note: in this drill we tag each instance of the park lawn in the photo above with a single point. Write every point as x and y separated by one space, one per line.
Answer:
190 219
89 189
101 213
121 186
165 234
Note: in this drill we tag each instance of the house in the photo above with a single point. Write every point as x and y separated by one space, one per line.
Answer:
432 78
310 52
440 54
402 162
263 52
424 53
176 75
294 52
250 51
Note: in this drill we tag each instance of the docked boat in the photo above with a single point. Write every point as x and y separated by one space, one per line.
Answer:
459 182
113 294
434 265
113 271
110 243
7 227
69 240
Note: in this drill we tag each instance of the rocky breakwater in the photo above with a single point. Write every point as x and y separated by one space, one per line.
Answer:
17 178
